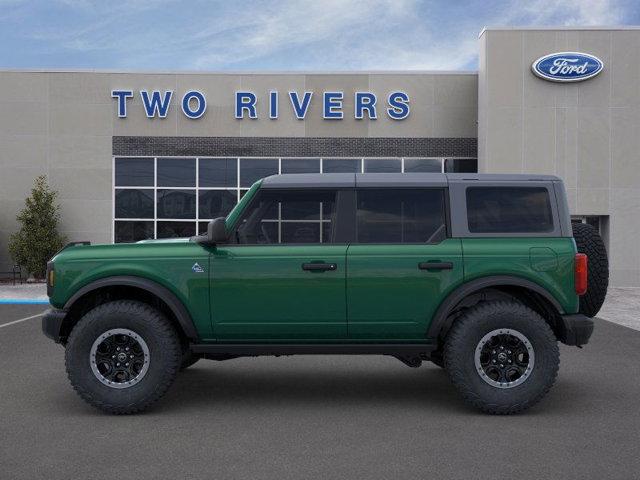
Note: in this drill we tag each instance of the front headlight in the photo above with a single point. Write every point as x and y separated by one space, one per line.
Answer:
51 278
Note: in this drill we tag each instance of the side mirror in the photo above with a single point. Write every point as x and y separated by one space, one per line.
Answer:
217 231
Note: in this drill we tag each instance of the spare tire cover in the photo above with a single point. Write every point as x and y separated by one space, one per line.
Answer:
589 242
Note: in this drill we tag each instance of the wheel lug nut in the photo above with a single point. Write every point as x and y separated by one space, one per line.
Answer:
509 351
501 348
113 356
509 361
127 349
494 361
126 364
501 366
493 351
117 364
118 349
130 356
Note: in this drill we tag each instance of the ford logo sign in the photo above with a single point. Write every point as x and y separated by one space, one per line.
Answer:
567 66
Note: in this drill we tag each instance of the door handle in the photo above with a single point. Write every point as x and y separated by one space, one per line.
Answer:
319 267
435 265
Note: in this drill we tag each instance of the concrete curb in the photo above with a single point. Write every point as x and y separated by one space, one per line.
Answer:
23 301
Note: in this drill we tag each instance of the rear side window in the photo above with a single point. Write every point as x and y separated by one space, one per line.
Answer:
509 210
400 216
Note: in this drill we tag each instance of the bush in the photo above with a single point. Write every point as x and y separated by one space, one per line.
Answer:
38 238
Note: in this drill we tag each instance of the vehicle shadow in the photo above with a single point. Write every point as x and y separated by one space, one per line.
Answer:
306 385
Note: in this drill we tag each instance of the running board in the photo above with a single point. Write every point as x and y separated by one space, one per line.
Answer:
256 349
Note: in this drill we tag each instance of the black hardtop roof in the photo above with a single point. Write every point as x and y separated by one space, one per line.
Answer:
350 180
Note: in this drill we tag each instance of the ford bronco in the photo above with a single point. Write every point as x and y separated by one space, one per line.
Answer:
480 274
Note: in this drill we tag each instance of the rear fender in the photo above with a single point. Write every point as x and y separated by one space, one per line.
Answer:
439 322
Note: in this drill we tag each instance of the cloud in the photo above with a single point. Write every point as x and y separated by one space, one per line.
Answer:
569 12
384 35
282 34
288 25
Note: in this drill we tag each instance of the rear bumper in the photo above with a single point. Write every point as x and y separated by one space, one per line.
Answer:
576 329
52 324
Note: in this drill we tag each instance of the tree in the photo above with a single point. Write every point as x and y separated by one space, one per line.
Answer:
38 238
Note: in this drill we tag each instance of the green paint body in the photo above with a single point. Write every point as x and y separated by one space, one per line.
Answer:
261 293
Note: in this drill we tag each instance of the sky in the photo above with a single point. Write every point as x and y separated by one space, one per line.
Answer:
277 35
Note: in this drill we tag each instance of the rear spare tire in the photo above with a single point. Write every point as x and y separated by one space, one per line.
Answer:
589 242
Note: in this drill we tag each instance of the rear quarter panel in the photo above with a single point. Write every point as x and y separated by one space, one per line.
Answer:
547 261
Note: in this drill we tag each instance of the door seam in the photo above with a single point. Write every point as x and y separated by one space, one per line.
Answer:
346 296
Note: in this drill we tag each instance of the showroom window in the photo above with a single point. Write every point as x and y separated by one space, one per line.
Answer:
167 197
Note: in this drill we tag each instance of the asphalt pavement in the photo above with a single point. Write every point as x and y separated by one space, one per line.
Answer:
318 417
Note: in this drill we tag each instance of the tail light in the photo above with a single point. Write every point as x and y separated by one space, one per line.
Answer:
581 273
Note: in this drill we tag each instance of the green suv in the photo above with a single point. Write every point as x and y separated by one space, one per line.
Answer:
479 274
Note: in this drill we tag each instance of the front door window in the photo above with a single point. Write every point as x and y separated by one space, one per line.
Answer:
288 217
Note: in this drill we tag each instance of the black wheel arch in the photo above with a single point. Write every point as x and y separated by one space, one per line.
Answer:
175 306
510 285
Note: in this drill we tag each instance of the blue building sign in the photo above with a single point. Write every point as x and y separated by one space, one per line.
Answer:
395 105
567 67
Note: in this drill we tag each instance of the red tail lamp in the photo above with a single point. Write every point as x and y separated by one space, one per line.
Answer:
581 273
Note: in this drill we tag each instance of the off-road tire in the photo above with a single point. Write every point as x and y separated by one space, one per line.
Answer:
589 242
464 337
164 352
188 359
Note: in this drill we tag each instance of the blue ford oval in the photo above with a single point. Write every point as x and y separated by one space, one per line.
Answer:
567 66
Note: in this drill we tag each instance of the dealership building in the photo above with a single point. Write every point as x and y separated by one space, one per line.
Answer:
157 155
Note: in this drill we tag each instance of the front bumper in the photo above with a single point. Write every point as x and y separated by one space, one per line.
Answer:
52 322
575 329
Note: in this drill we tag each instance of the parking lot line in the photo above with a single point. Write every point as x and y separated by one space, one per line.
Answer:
21 320
23 301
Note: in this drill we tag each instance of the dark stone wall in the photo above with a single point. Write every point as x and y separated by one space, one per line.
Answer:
295 146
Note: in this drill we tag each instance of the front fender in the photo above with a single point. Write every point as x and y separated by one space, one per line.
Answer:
177 307
170 266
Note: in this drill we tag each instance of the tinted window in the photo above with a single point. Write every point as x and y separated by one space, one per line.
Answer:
509 210
202 228
134 172
132 231
300 165
382 165
176 172
216 203
218 172
400 216
134 203
176 229
461 165
176 204
341 165
288 216
253 169
414 165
